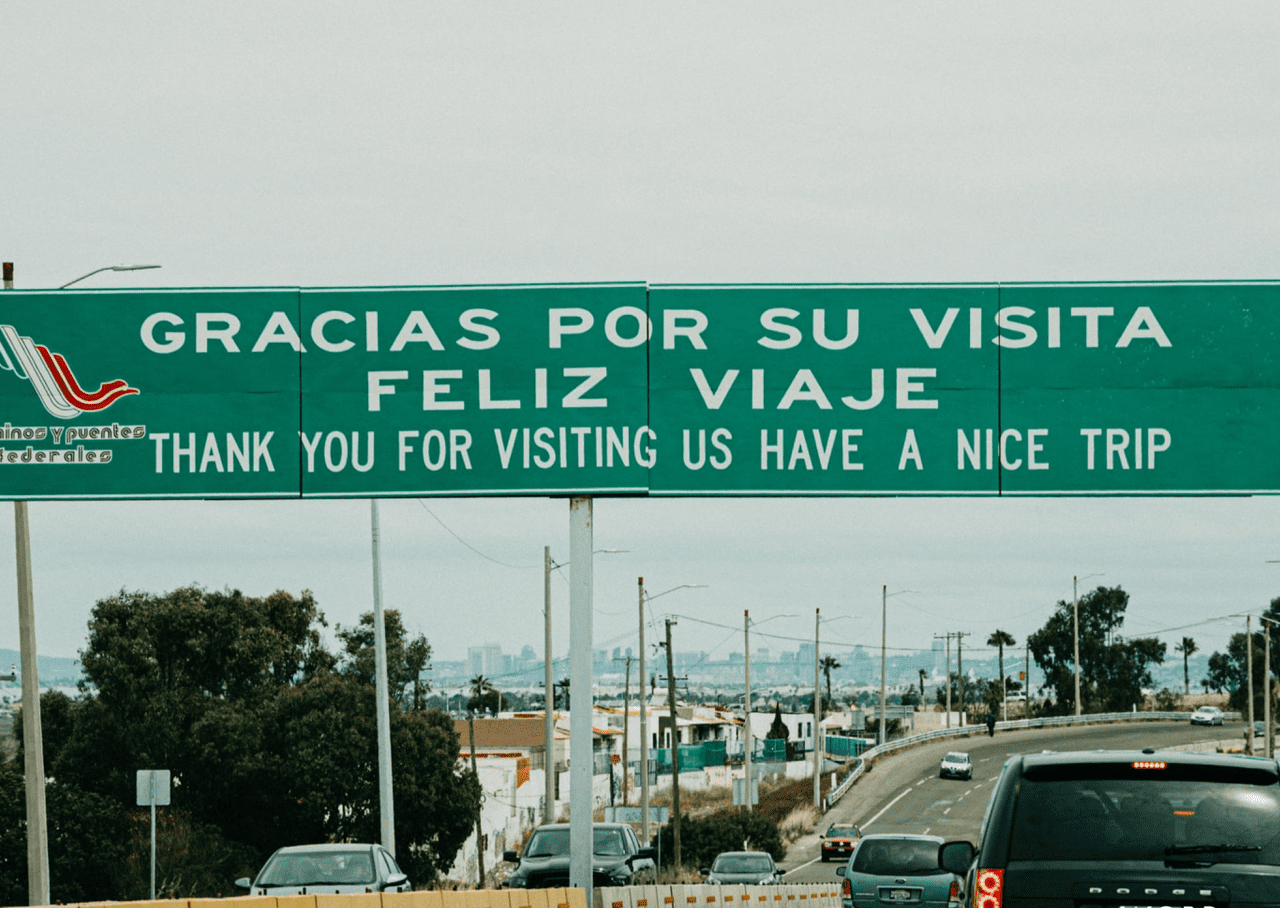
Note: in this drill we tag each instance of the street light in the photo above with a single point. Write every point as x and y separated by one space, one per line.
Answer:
37 823
1075 624
548 685
644 713
884 622
108 268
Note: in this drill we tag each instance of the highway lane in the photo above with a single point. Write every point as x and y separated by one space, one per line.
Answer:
904 794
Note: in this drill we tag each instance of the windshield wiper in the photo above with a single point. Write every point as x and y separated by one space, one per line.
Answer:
1173 852
1208 849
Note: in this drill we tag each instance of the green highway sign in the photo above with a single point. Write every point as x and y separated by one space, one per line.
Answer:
635 389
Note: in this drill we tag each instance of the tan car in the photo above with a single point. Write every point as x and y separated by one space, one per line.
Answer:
839 841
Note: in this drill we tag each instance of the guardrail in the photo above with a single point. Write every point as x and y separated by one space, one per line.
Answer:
964 731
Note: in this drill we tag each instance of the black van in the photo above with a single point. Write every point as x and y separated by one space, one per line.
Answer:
1104 829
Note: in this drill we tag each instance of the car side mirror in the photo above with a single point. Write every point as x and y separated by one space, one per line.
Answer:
956 856
510 857
395 881
244 883
840 870
705 871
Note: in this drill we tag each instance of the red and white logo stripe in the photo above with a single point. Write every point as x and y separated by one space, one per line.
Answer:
54 382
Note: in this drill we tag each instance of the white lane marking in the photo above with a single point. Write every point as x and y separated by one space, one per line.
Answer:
886 807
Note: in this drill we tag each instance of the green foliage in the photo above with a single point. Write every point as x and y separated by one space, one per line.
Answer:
777 728
702 839
1167 701
1113 670
271 741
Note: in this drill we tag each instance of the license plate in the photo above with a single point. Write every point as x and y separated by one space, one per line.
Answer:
898 895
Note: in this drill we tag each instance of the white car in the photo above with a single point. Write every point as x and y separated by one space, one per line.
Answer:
1207 715
956 765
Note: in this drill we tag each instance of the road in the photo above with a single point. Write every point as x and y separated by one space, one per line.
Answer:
904 794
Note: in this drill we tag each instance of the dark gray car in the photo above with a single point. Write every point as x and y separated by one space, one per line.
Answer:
616 860
751 868
342 868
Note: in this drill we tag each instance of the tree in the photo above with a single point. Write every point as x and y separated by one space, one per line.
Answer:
829 664
1186 647
270 738
777 728
406 658
1001 639
563 684
1112 671
923 674
484 696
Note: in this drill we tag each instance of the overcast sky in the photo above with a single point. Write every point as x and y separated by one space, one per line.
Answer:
324 144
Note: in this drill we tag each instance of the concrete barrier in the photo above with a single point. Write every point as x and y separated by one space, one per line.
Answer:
434 898
785 895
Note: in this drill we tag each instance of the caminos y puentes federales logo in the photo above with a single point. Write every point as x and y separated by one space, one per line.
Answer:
51 377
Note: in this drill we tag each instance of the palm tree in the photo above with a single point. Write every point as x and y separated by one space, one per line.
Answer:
1001 639
564 689
1186 647
827 664
481 689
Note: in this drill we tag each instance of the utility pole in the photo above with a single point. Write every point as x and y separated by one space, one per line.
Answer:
817 715
548 697
947 673
964 712
675 749
644 731
1075 625
471 729
746 726
626 725
1026 685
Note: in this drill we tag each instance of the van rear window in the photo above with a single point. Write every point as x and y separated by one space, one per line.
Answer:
1182 813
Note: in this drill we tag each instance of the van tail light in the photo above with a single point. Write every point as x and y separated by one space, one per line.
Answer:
953 897
988 888
846 888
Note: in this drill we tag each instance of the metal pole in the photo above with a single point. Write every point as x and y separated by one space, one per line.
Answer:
32 735
549 697
153 837
626 732
1075 624
884 624
817 715
386 803
746 726
1266 680
471 733
675 750
1248 658
948 679
581 757
644 729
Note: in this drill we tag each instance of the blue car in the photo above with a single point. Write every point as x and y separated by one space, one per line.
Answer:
890 869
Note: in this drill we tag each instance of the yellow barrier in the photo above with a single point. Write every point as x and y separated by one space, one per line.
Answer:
787 895
436 898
